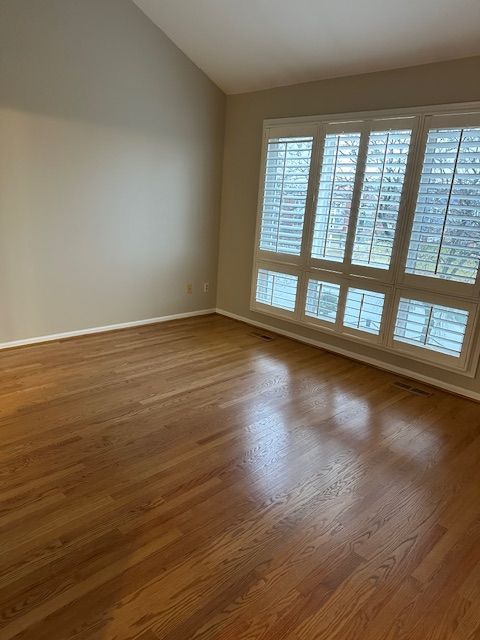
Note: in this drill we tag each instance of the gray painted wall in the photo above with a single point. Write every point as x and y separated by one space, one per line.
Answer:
111 146
442 83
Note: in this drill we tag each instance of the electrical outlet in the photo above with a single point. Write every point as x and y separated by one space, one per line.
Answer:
189 288
206 287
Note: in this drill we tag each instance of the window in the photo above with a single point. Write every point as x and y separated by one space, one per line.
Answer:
445 240
335 191
380 198
431 326
364 310
285 194
276 289
369 227
322 300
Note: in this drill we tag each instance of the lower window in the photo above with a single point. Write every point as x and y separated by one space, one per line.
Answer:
432 330
322 300
276 289
364 310
431 326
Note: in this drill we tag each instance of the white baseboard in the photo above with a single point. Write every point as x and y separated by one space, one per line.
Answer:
407 373
109 327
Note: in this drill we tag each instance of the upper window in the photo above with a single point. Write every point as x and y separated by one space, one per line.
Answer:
370 227
381 196
285 194
335 192
445 239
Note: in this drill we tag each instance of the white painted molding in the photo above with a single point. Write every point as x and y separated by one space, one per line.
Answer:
407 373
109 327
472 395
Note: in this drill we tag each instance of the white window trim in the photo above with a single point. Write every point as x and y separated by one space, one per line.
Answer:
406 285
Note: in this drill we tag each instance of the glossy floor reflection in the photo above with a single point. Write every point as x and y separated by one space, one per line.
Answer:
191 481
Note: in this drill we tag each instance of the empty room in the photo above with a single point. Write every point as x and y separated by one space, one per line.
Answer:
239 320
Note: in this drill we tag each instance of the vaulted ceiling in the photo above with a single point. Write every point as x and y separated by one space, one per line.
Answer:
245 45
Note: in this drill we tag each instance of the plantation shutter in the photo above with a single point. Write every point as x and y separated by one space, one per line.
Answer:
445 237
287 170
381 196
335 194
370 228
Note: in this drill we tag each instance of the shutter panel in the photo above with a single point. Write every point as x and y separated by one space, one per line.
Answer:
335 192
431 326
445 238
380 199
276 289
322 300
364 310
287 171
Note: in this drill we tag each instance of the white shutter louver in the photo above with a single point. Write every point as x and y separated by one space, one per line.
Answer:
445 238
276 289
431 326
381 194
364 310
285 194
335 192
322 300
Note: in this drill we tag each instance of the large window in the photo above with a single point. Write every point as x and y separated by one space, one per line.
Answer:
369 227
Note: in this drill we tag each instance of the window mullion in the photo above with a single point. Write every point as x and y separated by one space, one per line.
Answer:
357 190
308 221
301 294
476 286
404 228
413 183
312 196
342 301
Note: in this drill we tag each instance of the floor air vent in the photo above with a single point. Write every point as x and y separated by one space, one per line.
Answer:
262 336
411 389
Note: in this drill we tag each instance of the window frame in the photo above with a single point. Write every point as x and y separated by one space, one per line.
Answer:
365 336
345 283
430 356
393 282
415 281
329 278
289 130
290 270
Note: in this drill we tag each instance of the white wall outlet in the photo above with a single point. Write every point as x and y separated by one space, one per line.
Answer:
206 287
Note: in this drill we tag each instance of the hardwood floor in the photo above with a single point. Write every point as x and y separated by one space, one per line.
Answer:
191 480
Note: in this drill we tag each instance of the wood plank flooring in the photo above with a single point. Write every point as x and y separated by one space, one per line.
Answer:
190 480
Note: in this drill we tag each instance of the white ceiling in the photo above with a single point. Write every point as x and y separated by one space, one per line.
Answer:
245 45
